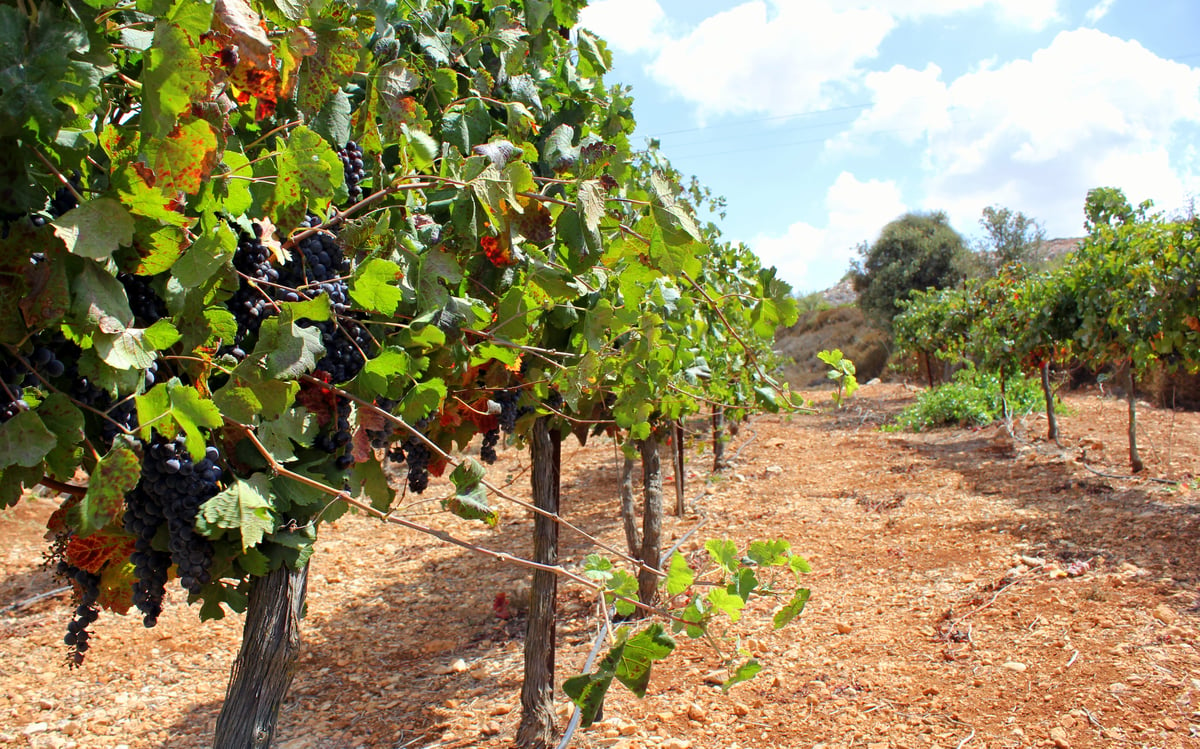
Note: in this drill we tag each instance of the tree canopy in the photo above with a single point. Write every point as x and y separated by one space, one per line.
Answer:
915 252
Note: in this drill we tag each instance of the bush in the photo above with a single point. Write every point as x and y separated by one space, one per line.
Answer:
971 399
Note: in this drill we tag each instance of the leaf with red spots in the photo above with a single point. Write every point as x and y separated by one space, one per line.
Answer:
115 475
328 68
183 160
116 587
92 552
308 173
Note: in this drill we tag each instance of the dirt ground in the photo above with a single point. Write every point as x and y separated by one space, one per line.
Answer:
969 590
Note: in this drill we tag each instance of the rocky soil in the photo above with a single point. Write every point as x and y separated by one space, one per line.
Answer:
971 588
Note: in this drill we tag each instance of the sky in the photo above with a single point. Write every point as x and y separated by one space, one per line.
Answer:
820 121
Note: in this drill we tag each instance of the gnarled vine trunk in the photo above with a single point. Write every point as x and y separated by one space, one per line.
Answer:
633 538
537 729
1048 392
652 512
719 439
266 662
678 467
1135 460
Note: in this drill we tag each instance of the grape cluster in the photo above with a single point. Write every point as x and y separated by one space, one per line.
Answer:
86 612
508 408
63 199
380 438
319 266
171 491
487 451
147 306
346 346
354 169
251 303
143 518
417 454
338 436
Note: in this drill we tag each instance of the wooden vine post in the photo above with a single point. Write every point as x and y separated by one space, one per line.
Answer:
677 459
633 538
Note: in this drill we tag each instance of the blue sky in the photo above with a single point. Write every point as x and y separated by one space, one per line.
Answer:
822 120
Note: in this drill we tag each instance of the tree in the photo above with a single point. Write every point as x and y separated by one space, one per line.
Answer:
915 252
1012 238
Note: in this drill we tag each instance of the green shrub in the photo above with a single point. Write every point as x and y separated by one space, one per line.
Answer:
971 399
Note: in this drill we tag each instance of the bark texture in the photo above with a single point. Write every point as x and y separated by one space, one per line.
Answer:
266 662
652 513
1051 417
677 460
537 729
633 538
1135 460
719 439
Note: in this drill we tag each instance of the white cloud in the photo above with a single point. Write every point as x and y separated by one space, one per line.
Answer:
1032 14
1036 134
778 59
812 258
627 25
1099 10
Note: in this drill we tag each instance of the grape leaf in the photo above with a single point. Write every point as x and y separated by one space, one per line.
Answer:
242 507
680 576
372 286
95 229
308 172
724 553
25 440
174 77
792 609
743 584
295 425
91 552
191 411
730 603
115 475
368 477
769 553
285 350
744 672
641 651
116 585
13 481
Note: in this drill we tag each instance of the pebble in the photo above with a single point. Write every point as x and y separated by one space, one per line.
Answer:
1165 614
491 728
843 628
33 728
676 744
1058 735
1015 666
696 712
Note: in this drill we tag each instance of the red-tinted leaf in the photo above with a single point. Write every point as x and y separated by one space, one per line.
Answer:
92 552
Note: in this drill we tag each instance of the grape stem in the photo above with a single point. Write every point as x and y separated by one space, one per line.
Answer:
64 488
441 535
66 182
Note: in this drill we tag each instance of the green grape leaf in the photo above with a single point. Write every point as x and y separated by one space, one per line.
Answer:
625 585
65 420
211 251
423 399
696 616
467 474
769 553
471 504
285 350
792 609
174 77
277 435
243 507
680 576
14 480
25 440
95 229
192 411
369 479
387 367
730 603
99 298
115 475
799 565
743 584
184 159
372 286
308 172
641 651
723 553
744 672
597 567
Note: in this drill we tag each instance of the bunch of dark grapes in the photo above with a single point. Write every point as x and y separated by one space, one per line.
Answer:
346 346
63 199
381 438
251 303
508 408
353 167
319 268
88 586
338 436
143 518
416 453
487 451
147 306
177 487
